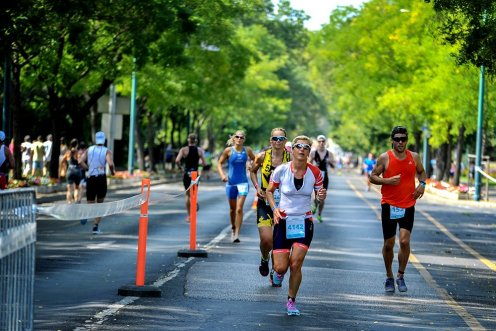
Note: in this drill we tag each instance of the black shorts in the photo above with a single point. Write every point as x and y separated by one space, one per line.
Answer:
186 180
389 225
326 181
96 188
264 214
282 244
74 176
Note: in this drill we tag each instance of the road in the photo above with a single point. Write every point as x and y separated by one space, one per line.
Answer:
451 278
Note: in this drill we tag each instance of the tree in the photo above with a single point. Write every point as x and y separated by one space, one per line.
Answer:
471 25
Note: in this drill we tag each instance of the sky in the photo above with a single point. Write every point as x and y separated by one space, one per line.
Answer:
319 10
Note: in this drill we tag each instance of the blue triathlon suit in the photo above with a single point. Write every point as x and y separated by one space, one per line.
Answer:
237 183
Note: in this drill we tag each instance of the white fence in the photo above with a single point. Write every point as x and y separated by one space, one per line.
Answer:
17 258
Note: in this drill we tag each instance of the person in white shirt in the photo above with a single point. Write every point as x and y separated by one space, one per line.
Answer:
48 154
296 180
95 160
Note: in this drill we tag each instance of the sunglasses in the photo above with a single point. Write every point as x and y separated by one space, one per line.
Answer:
321 141
239 137
278 138
400 139
302 146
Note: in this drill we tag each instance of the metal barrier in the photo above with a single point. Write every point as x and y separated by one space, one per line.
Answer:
17 258
488 178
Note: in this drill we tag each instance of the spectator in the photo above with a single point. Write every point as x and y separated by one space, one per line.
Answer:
38 155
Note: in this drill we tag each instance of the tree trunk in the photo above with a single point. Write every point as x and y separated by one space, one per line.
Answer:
459 153
16 117
449 149
440 161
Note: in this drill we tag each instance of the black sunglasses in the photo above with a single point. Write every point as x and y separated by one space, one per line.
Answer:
300 146
239 137
278 138
400 139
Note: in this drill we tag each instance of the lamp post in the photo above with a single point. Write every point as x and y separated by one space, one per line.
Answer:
478 147
425 156
130 155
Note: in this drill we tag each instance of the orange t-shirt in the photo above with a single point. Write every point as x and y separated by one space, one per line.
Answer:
400 195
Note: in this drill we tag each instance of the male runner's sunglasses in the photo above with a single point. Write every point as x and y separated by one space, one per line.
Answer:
300 146
278 138
398 139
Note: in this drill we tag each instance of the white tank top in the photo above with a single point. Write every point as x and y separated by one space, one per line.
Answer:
97 160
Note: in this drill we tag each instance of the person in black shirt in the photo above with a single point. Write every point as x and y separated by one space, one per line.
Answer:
322 158
188 160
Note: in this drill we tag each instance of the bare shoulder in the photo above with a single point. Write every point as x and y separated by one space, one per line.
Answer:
383 158
259 157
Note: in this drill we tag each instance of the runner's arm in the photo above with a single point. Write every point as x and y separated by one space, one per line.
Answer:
223 157
254 169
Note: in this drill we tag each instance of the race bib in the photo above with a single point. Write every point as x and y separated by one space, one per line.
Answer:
243 188
396 212
295 227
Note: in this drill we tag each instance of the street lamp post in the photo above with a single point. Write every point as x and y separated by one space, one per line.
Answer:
478 148
425 156
130 157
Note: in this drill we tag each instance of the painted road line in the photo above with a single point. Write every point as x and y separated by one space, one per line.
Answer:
99 318
491 265
469 319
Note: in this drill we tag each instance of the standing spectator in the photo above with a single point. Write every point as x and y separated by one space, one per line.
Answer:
63 150
6 162
168 157
73 176
95 160
82 185
396 170
237 187
48 154
26 156
38 152
208 165
191 155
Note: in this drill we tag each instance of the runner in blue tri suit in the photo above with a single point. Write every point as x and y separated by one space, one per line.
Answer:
368 166
236 182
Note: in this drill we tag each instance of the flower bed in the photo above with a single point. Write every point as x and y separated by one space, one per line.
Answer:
447 190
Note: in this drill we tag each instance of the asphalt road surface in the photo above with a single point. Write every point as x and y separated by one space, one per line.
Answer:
451 275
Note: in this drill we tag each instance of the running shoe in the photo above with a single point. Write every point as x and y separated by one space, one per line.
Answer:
314 209
389 285
277 279
264 267
319 218
271 278
401 285
96 230
292 310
